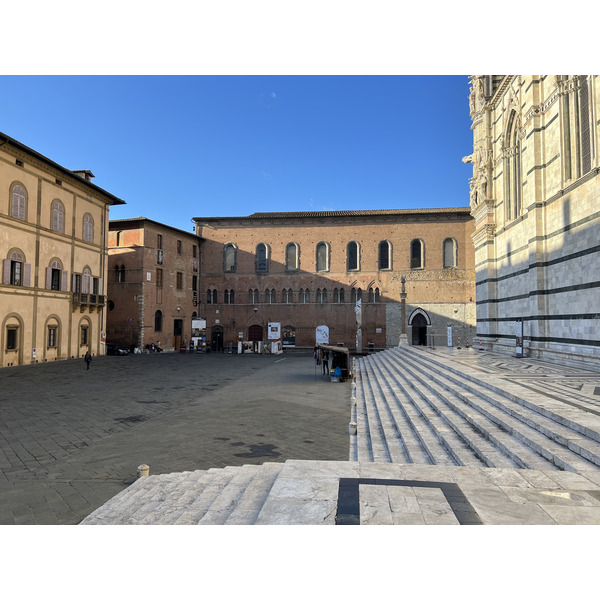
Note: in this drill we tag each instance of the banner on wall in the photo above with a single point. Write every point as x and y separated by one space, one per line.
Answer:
274 331
322 334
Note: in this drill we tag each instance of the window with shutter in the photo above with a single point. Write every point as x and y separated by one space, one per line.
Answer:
58 216
88 228
18 204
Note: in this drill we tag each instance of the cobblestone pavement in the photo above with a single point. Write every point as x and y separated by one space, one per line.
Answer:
70 439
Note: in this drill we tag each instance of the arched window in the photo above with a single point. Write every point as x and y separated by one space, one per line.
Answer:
86 280
322 256
262 262
209 296
88 228
291 257
353 256
253 296
287 296
58 216
450 253
318 298
342 294
373 294
305 296
229 258
512 168
158 321
18 205
270 296
16 271
55 280
229 297
417 254
355 295
324 296
385 256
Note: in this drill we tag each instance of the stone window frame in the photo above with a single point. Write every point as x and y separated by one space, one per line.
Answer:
261 265
295 266
88 228
389 266
230 247
454 256
421 259
19 276
513 176
179 280
56 276
356 267
57 216
12 333
18 211
322 268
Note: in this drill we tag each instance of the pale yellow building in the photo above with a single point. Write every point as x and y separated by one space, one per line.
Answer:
53 238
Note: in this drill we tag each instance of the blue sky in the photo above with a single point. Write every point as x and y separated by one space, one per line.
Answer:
176 147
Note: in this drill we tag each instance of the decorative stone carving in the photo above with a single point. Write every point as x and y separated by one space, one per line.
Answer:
477 95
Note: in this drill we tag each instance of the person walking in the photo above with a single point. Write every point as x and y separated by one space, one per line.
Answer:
326 362
88 359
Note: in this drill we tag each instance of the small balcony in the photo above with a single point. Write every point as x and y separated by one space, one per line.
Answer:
90 301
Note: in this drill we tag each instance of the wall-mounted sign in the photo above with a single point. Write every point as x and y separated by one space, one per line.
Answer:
322 334
274 331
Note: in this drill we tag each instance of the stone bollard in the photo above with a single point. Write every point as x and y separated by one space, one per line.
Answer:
352 428
143 471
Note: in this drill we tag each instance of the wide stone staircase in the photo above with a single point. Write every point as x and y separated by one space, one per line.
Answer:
423 423
412 407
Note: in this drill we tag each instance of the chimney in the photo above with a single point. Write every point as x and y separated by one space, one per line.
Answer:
84 174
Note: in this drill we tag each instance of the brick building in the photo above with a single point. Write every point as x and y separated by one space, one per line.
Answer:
535 197
306 270
153 280
53 229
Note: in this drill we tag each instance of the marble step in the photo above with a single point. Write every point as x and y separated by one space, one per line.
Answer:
432 434
560 444
422 443
571 417
458 443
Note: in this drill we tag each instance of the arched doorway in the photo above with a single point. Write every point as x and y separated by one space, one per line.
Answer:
216 335
419 330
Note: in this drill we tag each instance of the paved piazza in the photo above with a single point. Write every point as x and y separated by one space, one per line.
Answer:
71 439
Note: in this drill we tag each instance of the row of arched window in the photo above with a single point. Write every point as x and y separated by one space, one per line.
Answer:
16 271
18 210
353 256
302 296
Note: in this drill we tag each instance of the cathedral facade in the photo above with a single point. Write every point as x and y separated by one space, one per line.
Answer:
535 197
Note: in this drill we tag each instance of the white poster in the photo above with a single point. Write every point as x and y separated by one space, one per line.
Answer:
519 341
274 331
449 336
322 334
